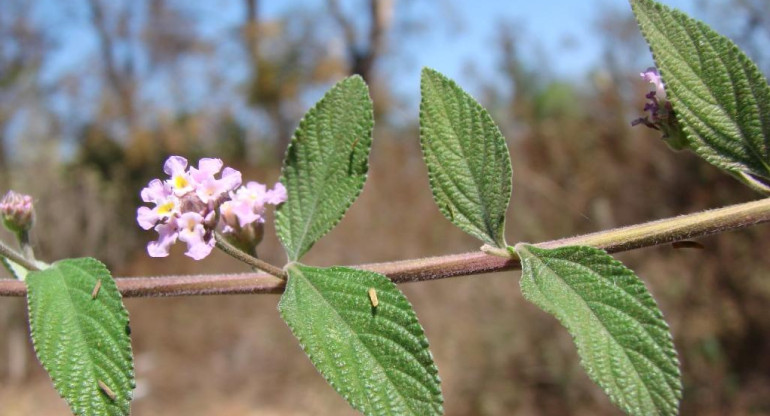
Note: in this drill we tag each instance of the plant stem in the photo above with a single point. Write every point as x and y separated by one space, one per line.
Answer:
17 258
252 261
616 240
683 227
26 246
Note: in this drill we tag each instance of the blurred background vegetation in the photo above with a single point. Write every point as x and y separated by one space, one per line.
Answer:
84 141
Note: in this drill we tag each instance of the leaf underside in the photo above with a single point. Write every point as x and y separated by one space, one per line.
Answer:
624 344
18 271
81 335
325 166
720 97
469 167
377 358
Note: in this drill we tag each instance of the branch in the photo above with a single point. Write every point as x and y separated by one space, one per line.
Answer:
621 239
251 30
347 27
17 258
362 59
106 48
233 251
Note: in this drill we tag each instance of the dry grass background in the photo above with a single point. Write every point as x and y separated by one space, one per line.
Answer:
496 353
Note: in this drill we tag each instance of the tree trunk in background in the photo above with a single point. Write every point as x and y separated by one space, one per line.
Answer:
119 81
251 31
363 58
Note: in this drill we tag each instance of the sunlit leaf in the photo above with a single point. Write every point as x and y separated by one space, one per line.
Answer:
720 98
624 344
79 328
468 162
326 165
361 333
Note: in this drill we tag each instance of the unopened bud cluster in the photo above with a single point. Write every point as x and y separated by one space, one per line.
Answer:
17 211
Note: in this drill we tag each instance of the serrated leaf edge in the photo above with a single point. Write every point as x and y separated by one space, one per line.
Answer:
99 267
493 237
299 251
433 369
704 149
669 352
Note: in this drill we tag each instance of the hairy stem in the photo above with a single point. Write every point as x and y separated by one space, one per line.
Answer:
616 240
252 261
21 260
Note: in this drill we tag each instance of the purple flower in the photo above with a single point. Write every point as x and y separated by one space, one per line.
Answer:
209 188
180 181
192 231
185 205
188 205
247 204
652 76
167 235
243 216
277 195
661 115
166 204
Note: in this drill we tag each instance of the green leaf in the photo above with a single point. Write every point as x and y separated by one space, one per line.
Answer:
377 358
468 162
623 341
326 165
81 335
18 271
719 96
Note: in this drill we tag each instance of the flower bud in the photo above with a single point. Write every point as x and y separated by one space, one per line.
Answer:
17 211
661 115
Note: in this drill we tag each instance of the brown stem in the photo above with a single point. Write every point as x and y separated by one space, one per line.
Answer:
616 240
28 262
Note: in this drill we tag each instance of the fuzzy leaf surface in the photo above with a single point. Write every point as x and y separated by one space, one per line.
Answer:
720 97
326 165
624 344
82 340
469 167
377 358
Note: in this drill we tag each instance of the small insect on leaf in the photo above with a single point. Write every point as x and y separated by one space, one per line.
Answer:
95 292
373 297
106 390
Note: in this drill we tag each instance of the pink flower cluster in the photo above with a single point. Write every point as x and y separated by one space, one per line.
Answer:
660 112
192 202
657 106
652 76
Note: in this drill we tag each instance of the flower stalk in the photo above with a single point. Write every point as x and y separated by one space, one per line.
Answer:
236 253
21 260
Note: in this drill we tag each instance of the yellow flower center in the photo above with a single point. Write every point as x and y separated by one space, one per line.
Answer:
180 182
166 208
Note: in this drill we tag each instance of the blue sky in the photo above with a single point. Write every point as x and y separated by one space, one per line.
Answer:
549 22
459 32
563 32
462 29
